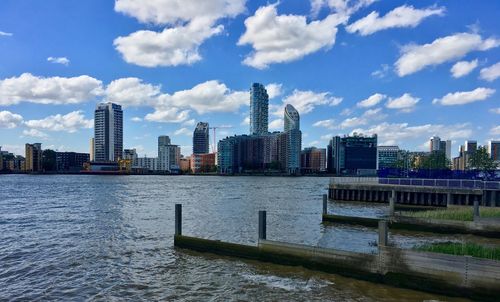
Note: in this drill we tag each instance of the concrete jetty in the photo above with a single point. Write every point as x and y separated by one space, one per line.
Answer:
419 192
439 273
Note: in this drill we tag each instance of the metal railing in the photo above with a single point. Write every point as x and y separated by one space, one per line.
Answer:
446 183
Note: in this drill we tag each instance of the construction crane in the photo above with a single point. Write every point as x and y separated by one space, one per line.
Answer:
214 146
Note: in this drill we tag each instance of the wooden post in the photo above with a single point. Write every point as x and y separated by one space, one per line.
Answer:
178 219
262 225
382 233
392 203
325 204
476 207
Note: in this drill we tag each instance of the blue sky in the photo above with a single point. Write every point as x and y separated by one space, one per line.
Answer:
406 70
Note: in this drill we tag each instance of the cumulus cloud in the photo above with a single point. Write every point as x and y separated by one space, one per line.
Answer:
190 122
465 97
59 60
403 16
417 57
367 117
274 90
5 34
463 68
183 131
382 72
403 132
172 115
405 103
276 124
50 90
346 7
10 120
306 101
284 38
70 122
35 133
328 124
136 119
490 73
170 47
130 92
371 101
188 23
246 121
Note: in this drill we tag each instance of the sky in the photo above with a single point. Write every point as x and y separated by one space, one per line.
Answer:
405 70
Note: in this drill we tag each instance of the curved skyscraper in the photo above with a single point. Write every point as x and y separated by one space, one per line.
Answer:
201 138
292 118
259 107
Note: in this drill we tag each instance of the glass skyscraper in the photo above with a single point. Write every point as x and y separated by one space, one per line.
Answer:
294 140
108 132
201 138
259 108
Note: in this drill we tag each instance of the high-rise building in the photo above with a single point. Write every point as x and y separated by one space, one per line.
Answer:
33 161
108 132
470 146
465 152
387 156
259 107
292 129
438 145
201 140
313 160
494 150
353 155
168 155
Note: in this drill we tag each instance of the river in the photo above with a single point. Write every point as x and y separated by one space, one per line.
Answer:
104 238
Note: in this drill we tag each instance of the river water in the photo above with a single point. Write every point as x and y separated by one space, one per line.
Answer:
105 238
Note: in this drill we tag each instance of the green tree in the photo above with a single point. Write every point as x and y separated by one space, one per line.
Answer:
435 160
481 160
49 160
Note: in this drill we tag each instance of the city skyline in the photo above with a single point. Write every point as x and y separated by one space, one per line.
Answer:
356 76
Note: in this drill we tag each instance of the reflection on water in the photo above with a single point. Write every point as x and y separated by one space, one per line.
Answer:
111 238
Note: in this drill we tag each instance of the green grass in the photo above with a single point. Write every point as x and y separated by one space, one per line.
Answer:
462 214
462 249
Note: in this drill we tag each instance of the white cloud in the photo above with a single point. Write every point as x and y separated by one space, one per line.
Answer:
328 124
246 121
276 124
190 122
495 110
10 120
371 101
495 130
346 111
170 47
70 122
172 115
306 101
346 7
130 92
183 131
403 16
35 133
382 72
403 133
416 57
274 90
5 34
463 68
51 90
284 38
465 97
210 96
136 119
59 60
191 23
405 103
490 73
367 117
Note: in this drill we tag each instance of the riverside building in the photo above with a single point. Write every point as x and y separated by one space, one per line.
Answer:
353 155
33 157
108 132
201 139
259 107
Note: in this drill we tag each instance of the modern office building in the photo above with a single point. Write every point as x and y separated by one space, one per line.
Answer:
108 132
353 155
313 160
465 151
33 157
201 141
388 156
438 145
259 109
292 129
71 161
494 150
168 155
